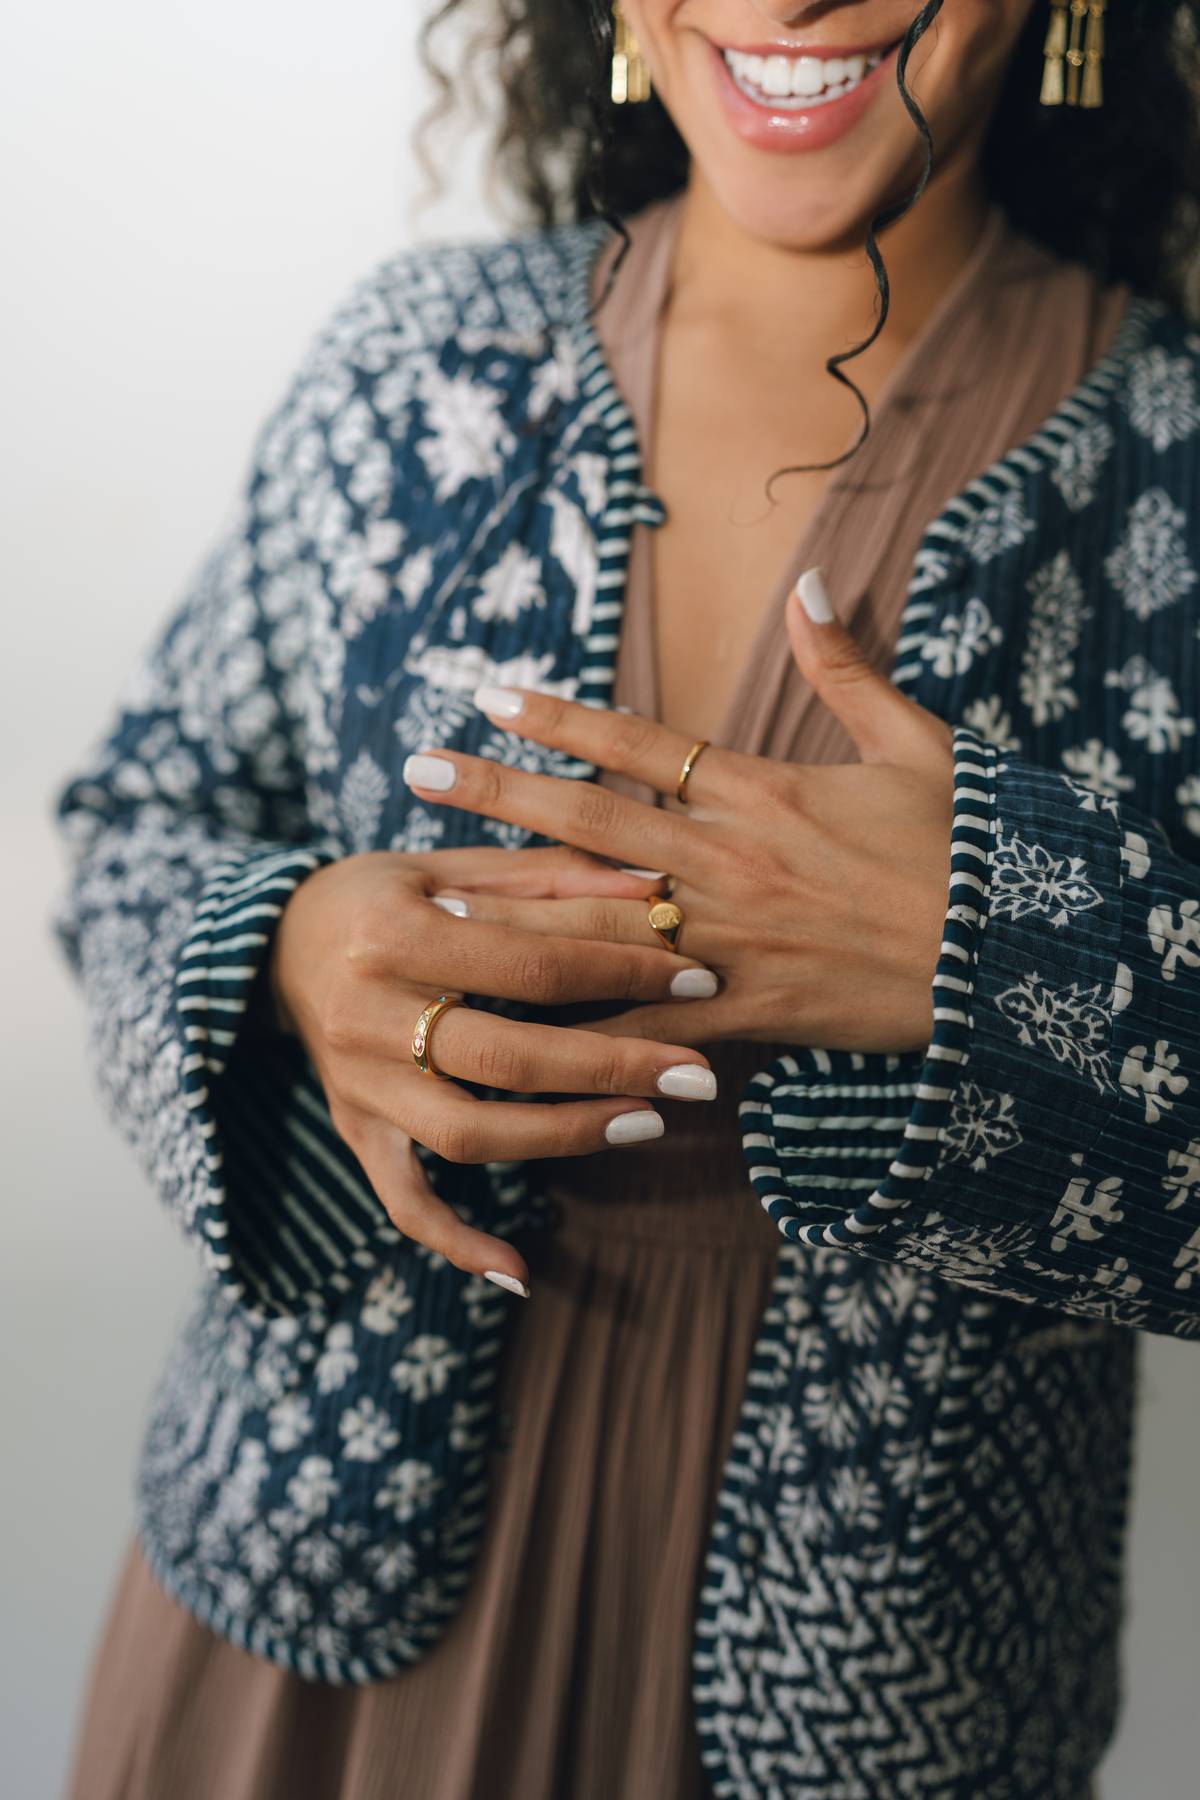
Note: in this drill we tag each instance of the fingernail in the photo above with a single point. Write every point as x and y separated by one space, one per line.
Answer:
688 1081
813 596
507 1281
502 703
694 984
449 903
644 874
437 773
634 1127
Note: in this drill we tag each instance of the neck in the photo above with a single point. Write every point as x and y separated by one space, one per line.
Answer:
824 298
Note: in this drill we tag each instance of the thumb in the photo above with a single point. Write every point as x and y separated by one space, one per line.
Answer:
885 724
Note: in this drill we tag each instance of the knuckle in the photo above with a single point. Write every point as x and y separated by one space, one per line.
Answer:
341 1021
593 809
611 1075
633 737
541 973
456 1140
498 1064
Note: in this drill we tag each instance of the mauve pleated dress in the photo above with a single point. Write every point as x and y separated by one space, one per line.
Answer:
566 1673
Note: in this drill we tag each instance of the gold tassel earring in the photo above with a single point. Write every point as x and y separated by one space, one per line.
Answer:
1071 71
630 70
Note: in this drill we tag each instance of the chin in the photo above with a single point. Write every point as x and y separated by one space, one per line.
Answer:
810 214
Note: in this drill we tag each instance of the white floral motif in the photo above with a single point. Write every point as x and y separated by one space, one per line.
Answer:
385 1303
365 789
1188 796
1188 1260
368 1432
1153 1076
337 1361
1174 933
1078 462
1086 1209
963 637
425 1367
989 720
1095 775
290 1421
982 1125
1162 397
1029 879
469 437
1153 717
1182 1179
1056 618
409 1489
1150 566
1135 856
1000 525
511 586
1071 1022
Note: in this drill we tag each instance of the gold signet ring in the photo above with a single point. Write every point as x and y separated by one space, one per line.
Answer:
666 920
689 763
423 1030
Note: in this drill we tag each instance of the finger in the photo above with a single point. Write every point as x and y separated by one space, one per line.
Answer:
703 1022
394 1170
460 1128
606 921
625 743
520 1057
885 724
581 813
550 969
553 871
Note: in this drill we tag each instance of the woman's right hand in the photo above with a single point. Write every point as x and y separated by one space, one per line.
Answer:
362 947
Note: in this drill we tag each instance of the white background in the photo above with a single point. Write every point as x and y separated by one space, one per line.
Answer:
186 192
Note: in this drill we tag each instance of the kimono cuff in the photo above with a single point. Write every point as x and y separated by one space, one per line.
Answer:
286 1215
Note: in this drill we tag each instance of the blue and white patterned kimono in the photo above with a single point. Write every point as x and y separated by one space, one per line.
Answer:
912 1585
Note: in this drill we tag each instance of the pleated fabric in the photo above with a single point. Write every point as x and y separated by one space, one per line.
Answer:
566 1675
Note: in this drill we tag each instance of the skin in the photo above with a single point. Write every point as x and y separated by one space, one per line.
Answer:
814 895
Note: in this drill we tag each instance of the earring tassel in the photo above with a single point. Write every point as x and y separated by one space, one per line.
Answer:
1054 50
630 70
1079 10
1092 91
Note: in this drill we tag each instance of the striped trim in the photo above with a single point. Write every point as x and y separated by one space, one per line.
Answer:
628 501
799 1110
305 1216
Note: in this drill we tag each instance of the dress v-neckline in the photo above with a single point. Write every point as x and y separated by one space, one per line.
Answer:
769 658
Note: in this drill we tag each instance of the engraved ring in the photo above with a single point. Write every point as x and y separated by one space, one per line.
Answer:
689 763
423 1030
666 921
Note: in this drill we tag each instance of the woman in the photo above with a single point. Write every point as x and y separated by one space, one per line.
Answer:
511 1449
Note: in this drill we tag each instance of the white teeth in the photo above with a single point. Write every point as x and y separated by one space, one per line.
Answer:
807 79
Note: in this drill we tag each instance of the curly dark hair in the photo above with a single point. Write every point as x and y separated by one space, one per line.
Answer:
1117 188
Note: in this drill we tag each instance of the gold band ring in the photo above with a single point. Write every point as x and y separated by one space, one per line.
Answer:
666 921
689 763
423 1029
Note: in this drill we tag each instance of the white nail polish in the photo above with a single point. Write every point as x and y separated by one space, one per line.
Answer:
694 984
634 1127
688 1081
437 773
501 703
814 597
451 904
644 874
507 1281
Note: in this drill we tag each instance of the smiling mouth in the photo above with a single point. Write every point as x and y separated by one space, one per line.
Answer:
796 83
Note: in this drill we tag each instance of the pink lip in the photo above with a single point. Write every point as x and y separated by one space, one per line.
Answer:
767 128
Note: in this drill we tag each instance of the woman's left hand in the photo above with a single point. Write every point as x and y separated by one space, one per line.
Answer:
816 894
